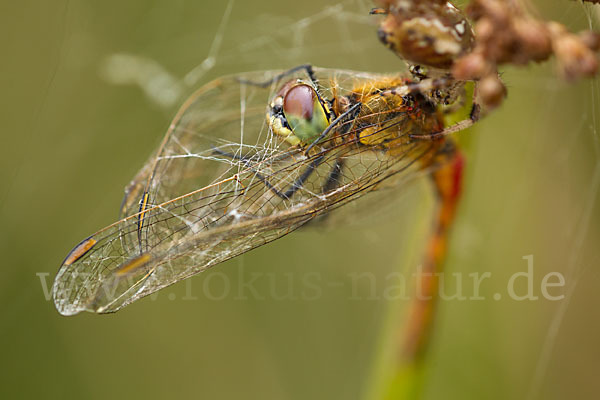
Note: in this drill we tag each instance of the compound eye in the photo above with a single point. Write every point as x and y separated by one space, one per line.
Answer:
304 112
300 101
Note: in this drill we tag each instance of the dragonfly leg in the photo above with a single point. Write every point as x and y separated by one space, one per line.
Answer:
440 91
474 116
304 67
296 185
333 180
299 182
454 97
349 114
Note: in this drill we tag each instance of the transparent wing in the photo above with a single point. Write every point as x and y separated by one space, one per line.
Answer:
213 190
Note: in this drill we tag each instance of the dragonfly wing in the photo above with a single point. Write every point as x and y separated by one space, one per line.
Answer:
213 190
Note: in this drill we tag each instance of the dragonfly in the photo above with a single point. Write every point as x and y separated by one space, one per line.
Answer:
231 174
252 157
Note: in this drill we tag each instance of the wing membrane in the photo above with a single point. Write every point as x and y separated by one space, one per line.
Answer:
210 192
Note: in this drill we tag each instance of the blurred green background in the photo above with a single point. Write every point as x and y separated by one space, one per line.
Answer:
72 139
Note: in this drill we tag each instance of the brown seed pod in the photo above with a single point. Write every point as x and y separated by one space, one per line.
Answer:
491 91
472 66
434 33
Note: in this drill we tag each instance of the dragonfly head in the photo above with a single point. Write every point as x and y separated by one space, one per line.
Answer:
298 113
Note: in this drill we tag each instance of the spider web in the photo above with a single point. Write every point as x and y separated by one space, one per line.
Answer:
577 266
221 184
295 42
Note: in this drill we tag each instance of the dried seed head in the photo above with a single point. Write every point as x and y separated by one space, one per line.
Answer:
432 33
492 9
575 59
470 67
491 91
484 29
533 38
590 39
